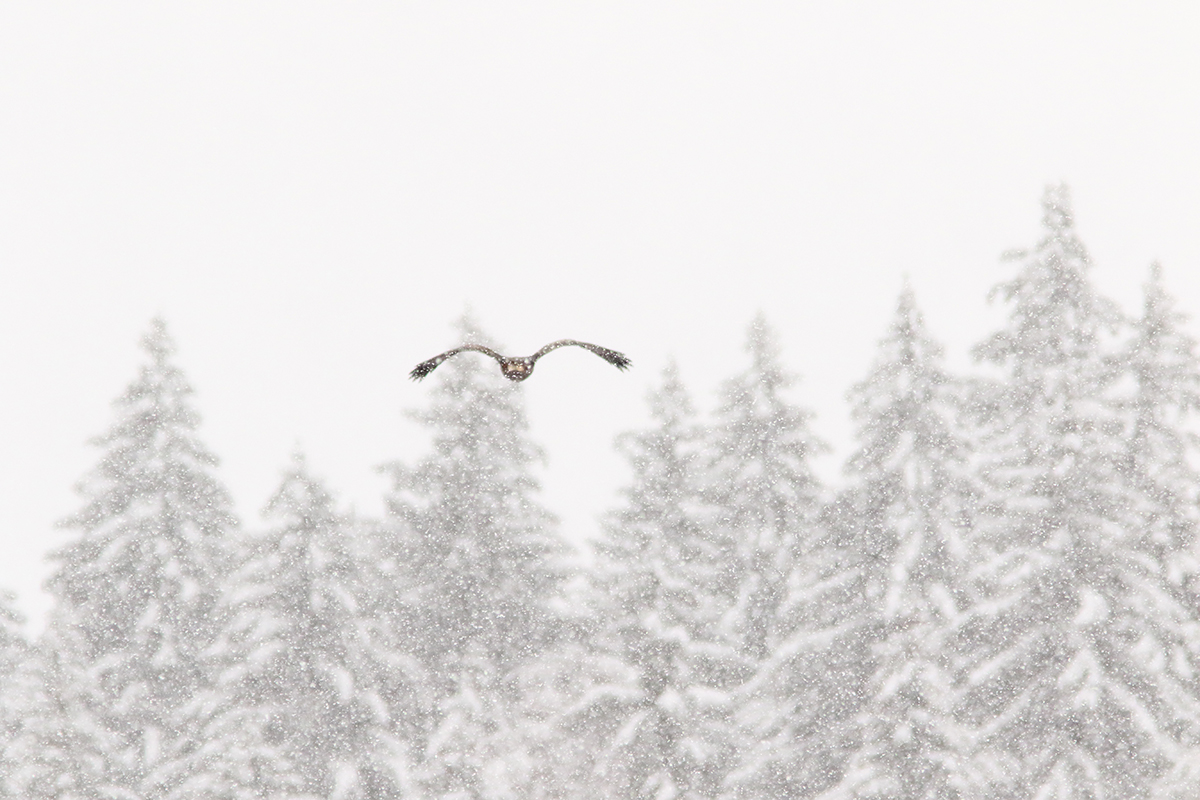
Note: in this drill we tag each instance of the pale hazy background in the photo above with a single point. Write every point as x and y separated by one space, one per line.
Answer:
310 193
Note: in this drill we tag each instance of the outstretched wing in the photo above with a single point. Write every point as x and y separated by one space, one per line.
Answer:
426 367
619 360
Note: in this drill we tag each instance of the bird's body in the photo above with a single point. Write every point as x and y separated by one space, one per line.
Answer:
518 368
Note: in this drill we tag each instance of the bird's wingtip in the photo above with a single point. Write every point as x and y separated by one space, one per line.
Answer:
621 361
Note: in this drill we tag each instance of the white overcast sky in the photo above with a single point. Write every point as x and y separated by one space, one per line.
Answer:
310 194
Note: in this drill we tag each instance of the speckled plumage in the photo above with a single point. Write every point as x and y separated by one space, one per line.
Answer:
518 368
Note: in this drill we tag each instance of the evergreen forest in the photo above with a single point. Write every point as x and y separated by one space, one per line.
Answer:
999 600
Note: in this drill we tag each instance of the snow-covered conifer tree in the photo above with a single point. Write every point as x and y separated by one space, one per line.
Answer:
1162 449
664 581
136 588
907 506
800 599
1162 359
1071 688
761 484
300 707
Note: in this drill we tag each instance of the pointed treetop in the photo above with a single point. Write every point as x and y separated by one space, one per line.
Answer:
1057 215
755 412
762 342
158 398
908 324
1056 314
906 301
152 445
906 332
904 379
1061 247
670 401
1060 240
300 492
1156 277
907 487
157 341
481 551
1158 313
762 384
137 585
1058 233
1160 318
660 455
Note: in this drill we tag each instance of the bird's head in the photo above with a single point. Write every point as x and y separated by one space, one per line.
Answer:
517 369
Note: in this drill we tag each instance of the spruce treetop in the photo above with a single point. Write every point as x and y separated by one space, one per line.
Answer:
907 479
151 449
893 401
1057 318
1162 357
761 445
153 482
1052 420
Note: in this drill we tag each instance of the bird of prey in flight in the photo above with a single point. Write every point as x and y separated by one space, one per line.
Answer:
519 368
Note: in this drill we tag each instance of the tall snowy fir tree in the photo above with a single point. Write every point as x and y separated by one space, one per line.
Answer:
1162 450
908 508
1161 357
301 704
478 558
664 727
136 588
796 712
1067 688
760 480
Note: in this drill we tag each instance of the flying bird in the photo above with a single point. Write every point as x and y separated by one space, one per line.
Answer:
519 368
